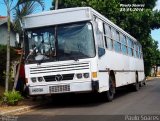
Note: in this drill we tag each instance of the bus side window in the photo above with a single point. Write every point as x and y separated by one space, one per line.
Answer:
141 55
99 35
108 36
135 50
130 47
115 37
124 44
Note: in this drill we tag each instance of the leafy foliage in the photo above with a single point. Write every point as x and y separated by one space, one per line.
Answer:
11 97
151 55
138 24
23 8
3 53
19 5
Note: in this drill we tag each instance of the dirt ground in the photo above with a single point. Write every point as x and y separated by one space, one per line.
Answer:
151 78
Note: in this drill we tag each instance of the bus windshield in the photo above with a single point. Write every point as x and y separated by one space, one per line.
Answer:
63 42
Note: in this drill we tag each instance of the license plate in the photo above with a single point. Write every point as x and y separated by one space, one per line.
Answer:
59 88
37 90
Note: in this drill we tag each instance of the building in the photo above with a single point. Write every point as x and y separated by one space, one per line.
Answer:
4 33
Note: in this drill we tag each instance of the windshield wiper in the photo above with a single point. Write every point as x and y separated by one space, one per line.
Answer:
31 53
75 58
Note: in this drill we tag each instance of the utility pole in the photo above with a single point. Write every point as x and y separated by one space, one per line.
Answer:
56 4
7 3
55 33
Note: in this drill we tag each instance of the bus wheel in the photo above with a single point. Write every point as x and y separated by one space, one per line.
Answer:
110 93
144 82
136 84
140 84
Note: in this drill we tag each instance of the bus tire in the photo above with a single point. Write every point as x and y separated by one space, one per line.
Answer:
140 84
136 84
144 82
109 95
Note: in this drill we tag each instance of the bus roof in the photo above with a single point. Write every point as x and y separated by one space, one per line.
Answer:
56 17
67 15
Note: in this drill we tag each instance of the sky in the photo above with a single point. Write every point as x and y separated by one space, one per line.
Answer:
48 3
156 33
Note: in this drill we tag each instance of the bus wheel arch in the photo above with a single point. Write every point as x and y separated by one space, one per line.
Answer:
136 76
112 76
136 85
112 86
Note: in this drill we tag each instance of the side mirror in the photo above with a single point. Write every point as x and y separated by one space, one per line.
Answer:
101 51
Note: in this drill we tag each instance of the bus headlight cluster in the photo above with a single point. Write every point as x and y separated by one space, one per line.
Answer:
40 79
35 79
86 75
79 76
82 75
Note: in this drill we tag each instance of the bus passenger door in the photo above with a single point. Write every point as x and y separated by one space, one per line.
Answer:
103 76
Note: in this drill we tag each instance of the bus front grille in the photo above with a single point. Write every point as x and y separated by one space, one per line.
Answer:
59 88
59 68
62 77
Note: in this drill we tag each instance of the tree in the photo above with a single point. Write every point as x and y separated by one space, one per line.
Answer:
151 55
8 4
138 24
13 56
22 9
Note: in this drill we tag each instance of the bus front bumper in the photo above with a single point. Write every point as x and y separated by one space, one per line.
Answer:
75 87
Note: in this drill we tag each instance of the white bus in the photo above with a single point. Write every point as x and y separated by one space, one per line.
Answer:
78 50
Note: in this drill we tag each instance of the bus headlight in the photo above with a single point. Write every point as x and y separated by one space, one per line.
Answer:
79 76
33 79
40 79
86 75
